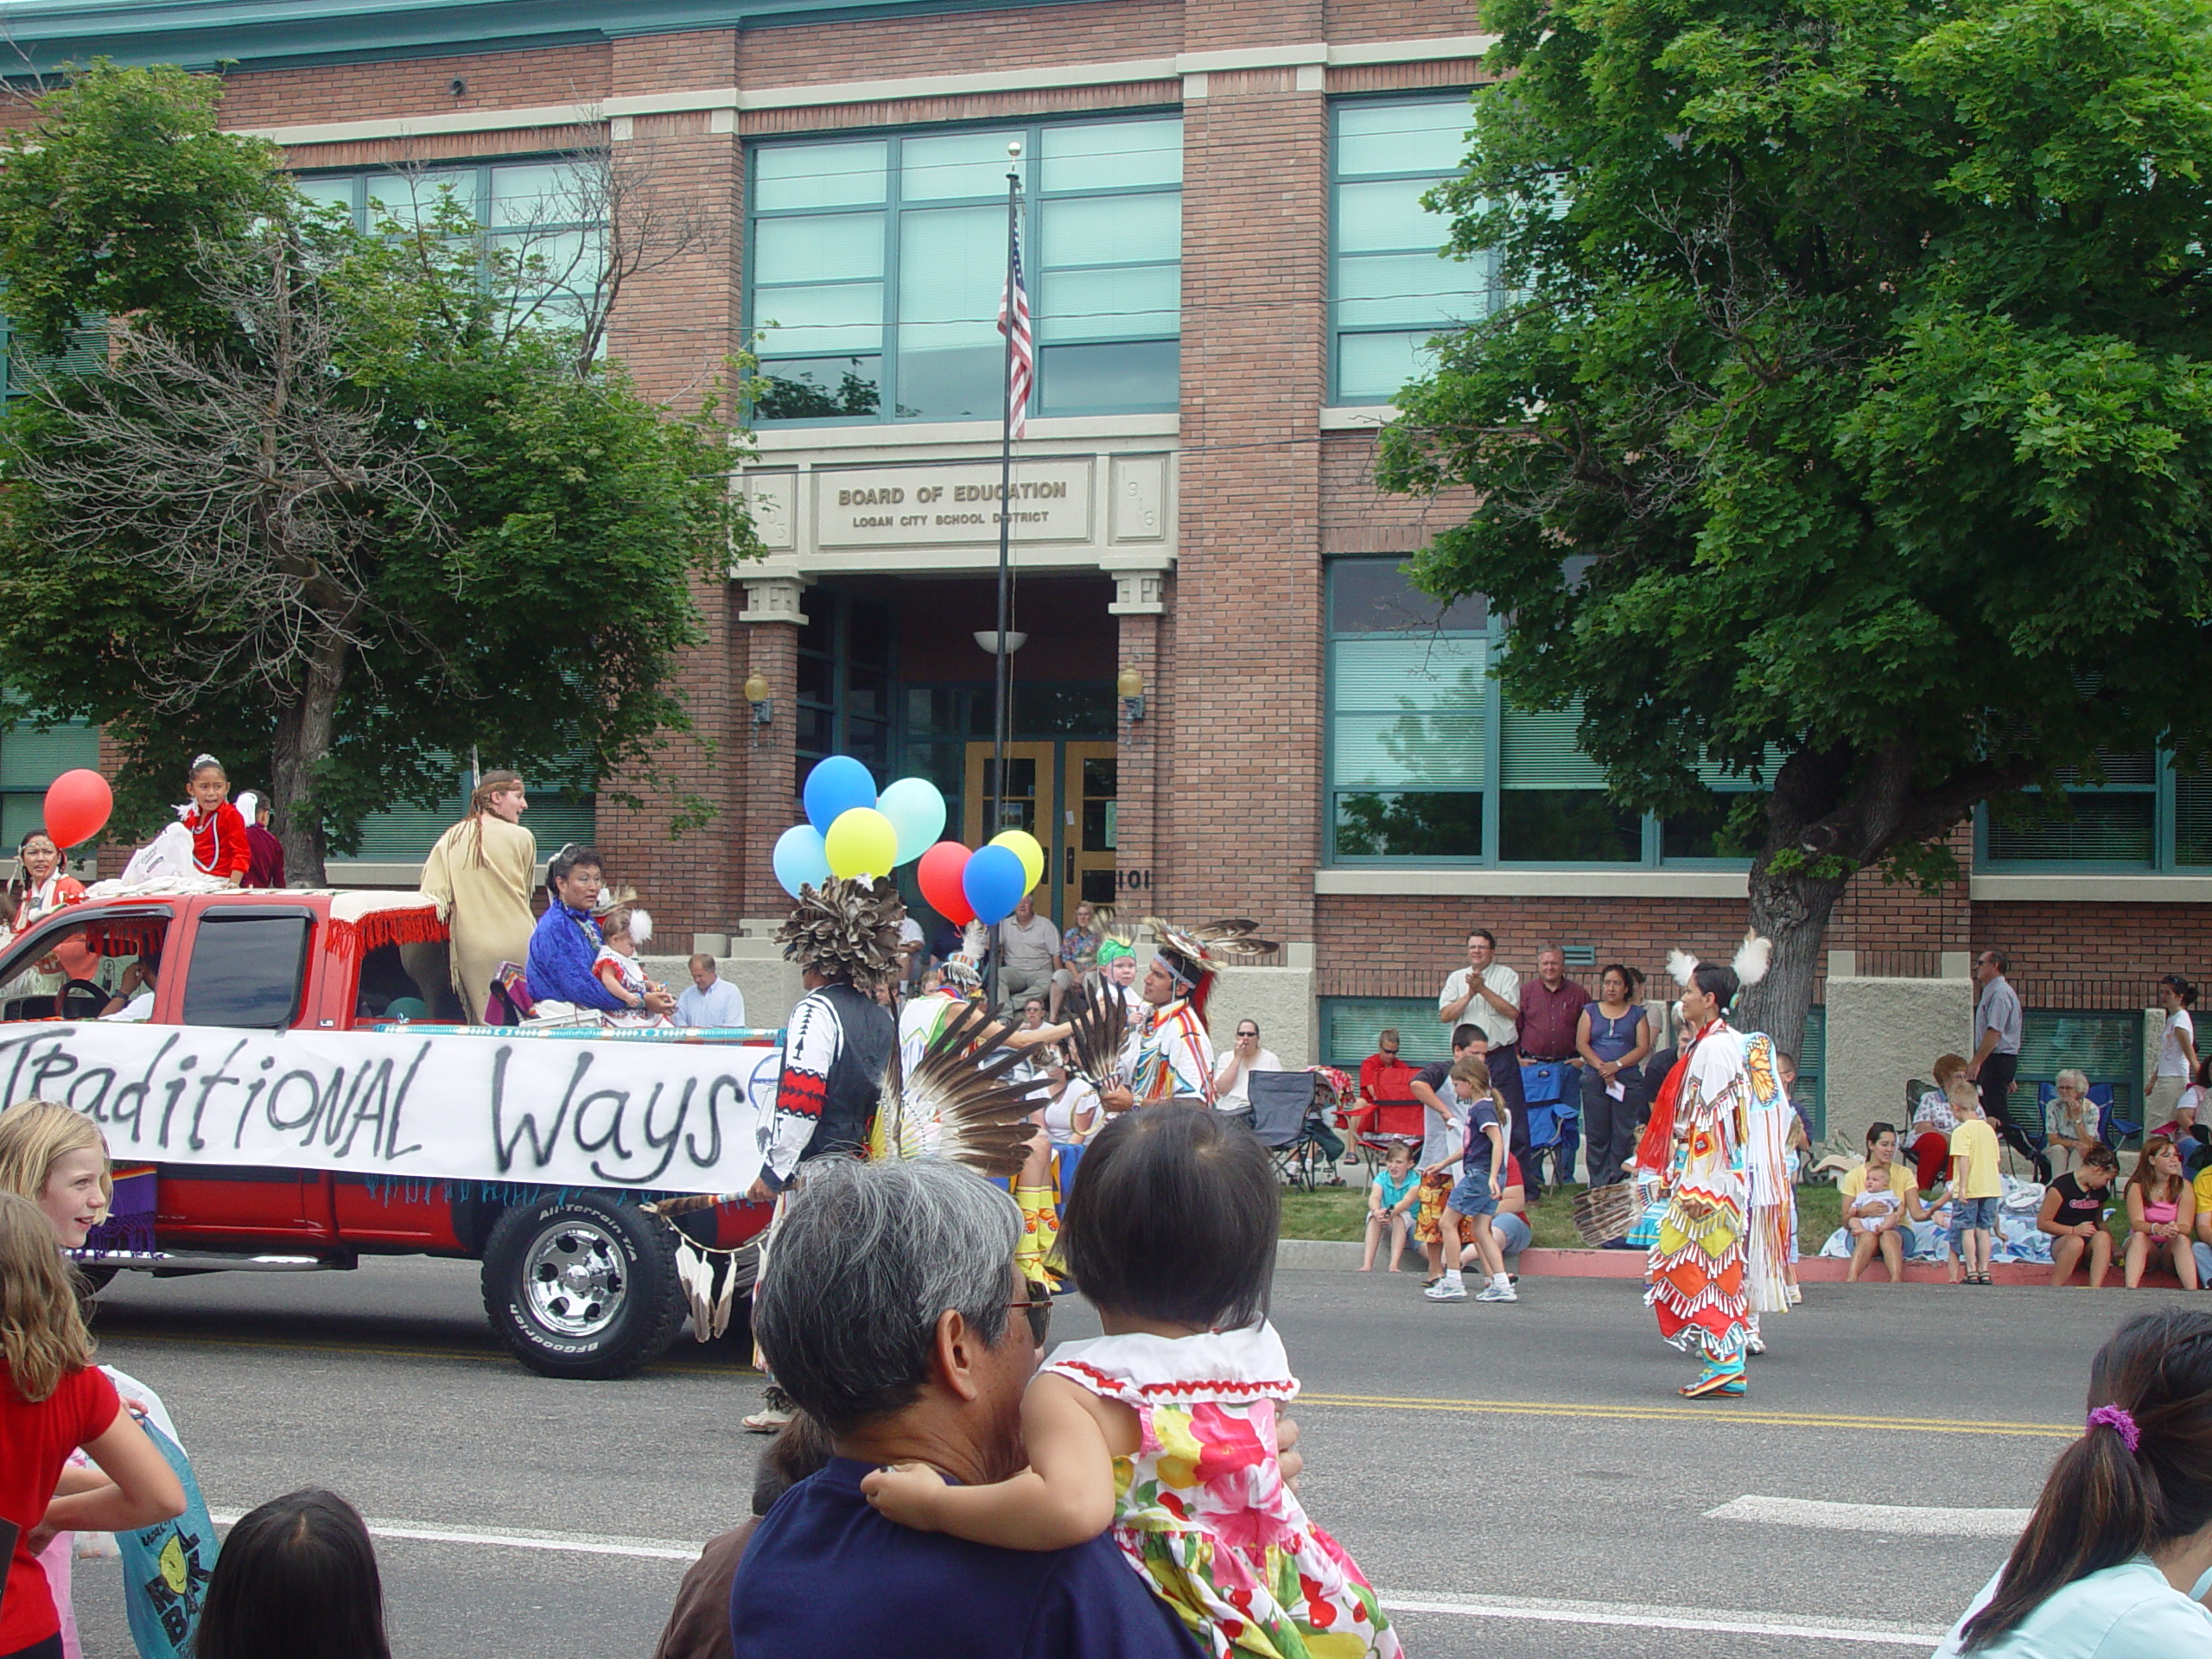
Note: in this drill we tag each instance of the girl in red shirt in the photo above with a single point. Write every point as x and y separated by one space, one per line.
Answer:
53 1400
219 843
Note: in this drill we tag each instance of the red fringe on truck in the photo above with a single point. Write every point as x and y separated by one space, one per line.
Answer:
378 919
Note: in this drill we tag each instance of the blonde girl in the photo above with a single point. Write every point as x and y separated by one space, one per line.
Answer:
58 1159
54 1401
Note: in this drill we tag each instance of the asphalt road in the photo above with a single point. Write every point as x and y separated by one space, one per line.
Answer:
1518 1480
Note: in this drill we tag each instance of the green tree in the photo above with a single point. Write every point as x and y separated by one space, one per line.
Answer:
340 507
1850 422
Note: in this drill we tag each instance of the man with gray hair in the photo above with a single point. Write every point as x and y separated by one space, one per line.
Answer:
886 1310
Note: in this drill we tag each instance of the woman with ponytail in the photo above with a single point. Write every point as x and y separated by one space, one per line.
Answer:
483 873
2117 1558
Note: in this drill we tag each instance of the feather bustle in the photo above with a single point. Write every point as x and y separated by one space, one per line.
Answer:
1753 957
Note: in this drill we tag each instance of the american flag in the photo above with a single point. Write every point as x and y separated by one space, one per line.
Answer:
1022 366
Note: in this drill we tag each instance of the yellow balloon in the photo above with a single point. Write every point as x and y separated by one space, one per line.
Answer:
1024 846
862 842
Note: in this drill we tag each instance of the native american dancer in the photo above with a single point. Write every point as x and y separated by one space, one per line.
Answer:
1168 1054
1716 1264
841 1074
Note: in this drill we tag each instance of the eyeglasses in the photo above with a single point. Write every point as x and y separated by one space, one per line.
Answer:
1038 1307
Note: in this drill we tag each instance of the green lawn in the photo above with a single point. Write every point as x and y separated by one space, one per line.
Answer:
1340 1212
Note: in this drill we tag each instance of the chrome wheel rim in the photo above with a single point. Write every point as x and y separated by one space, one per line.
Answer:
573 1279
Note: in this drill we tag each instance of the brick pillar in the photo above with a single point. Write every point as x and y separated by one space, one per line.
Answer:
1241 833
673 327
768 644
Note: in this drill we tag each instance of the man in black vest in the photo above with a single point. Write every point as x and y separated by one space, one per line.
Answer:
844 936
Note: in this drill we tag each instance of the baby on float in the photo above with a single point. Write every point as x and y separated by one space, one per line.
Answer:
624 929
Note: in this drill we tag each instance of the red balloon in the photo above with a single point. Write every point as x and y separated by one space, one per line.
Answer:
77 806
940 873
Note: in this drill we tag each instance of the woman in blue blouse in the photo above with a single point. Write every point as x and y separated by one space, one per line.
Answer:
2117 1558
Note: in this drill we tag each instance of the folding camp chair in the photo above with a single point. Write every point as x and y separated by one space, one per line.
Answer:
1382 1124
1283 1105
1551 1096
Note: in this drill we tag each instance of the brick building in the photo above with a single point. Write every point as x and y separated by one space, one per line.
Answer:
1225 700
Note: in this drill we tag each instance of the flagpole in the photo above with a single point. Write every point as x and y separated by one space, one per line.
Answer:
1002 667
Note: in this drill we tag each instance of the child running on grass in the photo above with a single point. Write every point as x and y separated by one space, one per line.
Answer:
1164 1428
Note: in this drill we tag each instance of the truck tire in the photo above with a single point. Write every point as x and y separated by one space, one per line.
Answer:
582 1285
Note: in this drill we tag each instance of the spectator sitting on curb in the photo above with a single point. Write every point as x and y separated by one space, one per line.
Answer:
1443 1139
1391 1197
2161 1214
1878 1198
2073 1215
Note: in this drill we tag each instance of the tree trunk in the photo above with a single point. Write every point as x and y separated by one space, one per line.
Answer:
1791 909
304 725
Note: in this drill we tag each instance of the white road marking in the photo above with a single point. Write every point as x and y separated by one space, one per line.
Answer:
575 1543
1897 1520
1718 1622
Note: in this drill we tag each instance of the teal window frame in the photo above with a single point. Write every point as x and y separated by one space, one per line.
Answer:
1482 289
1495 765
1039 267
2180 827
404 834
33 754
485 199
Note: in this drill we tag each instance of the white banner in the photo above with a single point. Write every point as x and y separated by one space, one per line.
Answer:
679 1117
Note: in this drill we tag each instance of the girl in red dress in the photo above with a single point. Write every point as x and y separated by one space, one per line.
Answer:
219 843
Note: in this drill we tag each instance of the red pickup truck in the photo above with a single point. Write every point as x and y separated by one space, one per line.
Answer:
579 1280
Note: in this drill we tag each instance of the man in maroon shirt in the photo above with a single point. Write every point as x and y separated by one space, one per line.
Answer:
1551 1007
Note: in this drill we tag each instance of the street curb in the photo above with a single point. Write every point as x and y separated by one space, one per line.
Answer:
1334 1255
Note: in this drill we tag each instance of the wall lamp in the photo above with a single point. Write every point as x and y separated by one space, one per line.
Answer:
763 706
1129 686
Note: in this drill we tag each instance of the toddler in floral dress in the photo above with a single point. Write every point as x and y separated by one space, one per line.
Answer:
1164 1428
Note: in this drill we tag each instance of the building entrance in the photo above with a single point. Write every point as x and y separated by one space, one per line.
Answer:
1063 793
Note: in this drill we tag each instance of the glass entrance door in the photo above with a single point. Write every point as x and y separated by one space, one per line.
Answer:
1091 772
1030 803
1062 793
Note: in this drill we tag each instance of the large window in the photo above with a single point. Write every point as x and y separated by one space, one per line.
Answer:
2146 815
1390 292
405 834
846 659
544 215
875 268
29 760
1428 761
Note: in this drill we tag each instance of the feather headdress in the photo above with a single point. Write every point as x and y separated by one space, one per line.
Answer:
1753 957
1194 955
845 930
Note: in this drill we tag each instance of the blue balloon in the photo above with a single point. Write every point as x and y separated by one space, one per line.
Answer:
800 860
916 810
834 788
994 883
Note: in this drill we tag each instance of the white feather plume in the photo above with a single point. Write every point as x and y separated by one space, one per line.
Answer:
1753 957
1680 965
641 926
976 939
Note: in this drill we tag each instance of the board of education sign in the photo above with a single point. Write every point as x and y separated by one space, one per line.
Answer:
952 503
